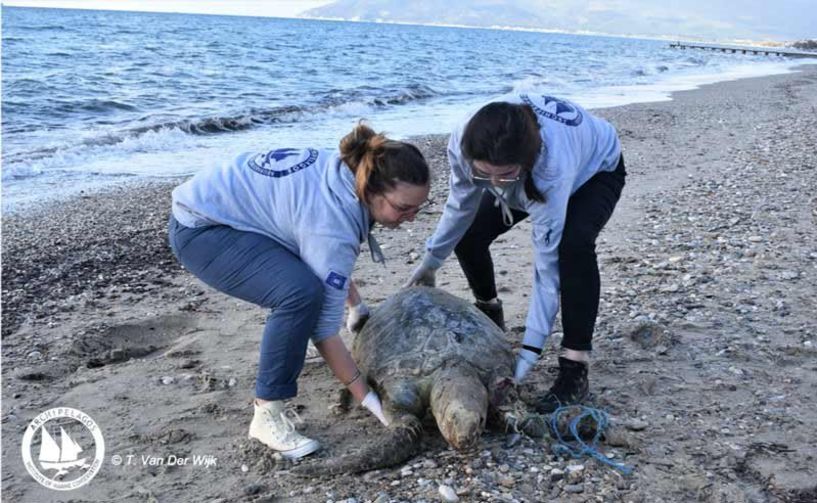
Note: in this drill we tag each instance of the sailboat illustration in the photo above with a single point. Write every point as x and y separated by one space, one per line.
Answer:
60 457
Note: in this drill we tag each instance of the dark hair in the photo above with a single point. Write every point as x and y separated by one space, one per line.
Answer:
504 133
379 163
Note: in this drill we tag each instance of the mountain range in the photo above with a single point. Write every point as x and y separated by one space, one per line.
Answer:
692 19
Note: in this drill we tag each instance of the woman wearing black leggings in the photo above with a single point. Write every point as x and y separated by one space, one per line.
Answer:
547 158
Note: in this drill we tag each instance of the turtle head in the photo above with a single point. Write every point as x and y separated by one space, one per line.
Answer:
459 402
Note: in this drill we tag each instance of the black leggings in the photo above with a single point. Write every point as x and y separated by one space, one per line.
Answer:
588 210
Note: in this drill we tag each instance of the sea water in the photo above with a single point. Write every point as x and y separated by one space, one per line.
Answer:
92 98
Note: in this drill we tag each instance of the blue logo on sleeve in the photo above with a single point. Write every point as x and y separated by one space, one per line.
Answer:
336 280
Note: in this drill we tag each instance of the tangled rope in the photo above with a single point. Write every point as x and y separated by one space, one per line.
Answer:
577 447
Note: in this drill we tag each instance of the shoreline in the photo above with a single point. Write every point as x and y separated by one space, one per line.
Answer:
594 100
145 189
73 207
711 249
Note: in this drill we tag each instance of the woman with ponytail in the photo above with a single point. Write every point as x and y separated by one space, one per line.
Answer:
283 229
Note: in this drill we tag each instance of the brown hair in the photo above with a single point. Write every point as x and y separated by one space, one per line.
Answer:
379 163
504 133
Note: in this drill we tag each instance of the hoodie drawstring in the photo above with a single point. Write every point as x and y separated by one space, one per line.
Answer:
376 251
507 216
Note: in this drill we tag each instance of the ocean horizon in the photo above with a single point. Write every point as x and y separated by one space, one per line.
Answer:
93 98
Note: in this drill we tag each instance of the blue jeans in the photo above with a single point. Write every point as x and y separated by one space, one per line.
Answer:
260 270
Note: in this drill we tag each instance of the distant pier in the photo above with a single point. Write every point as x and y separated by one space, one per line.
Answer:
736 49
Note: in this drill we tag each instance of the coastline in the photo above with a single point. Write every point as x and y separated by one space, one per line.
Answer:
713 241
26 193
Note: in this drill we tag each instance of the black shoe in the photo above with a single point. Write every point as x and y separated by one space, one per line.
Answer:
494 311
571 387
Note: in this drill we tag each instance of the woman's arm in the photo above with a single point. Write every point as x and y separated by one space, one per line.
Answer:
339 359
352 296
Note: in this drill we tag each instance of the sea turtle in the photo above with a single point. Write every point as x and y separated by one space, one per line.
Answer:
422 349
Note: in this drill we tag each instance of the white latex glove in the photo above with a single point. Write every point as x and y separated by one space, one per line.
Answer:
422 276
525 361
372 402
358 316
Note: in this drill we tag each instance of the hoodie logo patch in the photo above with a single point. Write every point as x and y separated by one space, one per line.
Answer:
335 280
283 161
554 109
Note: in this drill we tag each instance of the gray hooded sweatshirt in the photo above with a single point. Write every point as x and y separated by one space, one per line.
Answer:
303 199
576 146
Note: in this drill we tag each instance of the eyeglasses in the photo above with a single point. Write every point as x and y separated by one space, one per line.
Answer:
508 177
409 210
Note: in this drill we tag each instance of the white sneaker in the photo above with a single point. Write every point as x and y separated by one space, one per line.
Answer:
273 428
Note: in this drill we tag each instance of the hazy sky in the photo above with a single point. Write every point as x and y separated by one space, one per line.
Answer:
761 19
276 8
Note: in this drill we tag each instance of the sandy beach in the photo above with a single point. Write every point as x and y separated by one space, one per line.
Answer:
705 354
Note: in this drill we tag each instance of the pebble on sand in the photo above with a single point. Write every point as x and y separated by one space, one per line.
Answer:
448 493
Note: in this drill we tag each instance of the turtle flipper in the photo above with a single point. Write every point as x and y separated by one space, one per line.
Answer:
400 442
403 406
459 402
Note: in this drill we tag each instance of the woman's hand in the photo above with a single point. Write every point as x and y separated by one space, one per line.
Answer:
357 317
372 402
422 276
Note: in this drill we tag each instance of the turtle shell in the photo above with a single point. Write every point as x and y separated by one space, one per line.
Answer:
420 329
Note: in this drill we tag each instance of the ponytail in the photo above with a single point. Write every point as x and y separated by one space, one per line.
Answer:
379 163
